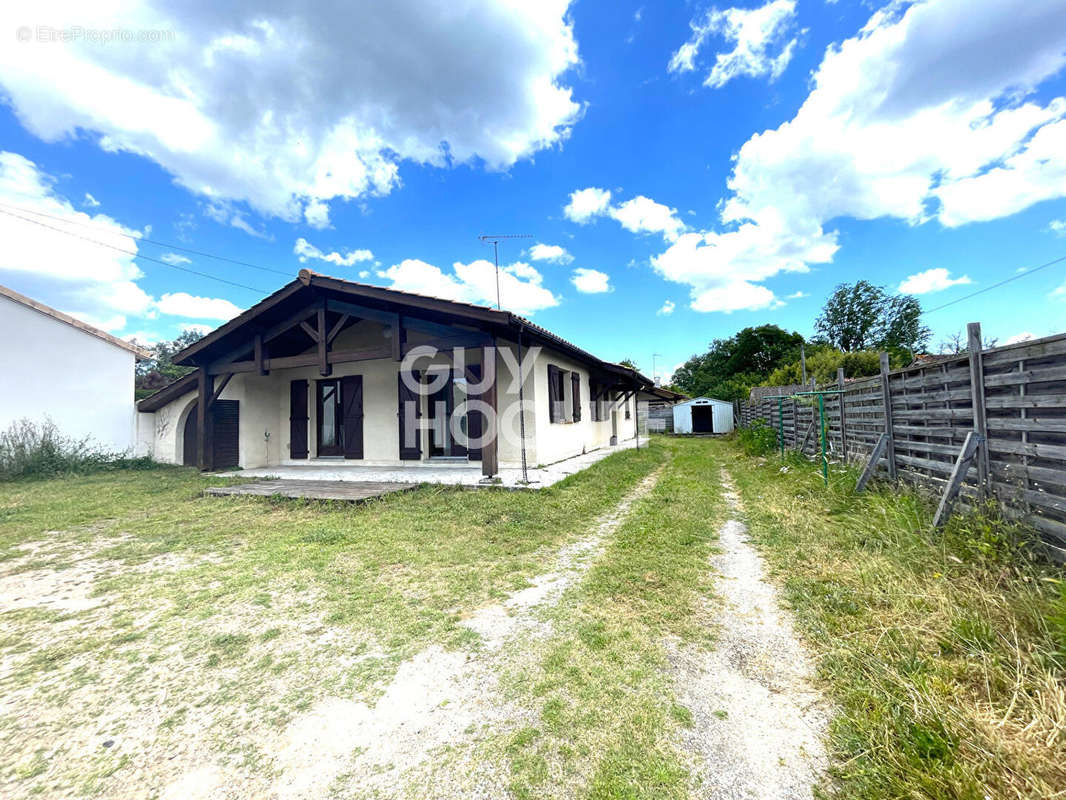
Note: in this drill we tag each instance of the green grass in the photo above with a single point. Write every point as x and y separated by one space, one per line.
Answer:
601 688
945 655
227 614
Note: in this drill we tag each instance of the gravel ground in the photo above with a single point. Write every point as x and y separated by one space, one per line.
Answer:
758 722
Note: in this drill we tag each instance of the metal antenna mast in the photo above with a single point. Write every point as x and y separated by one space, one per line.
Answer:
495 240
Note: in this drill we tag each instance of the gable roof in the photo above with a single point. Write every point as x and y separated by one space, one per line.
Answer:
501 322
48 311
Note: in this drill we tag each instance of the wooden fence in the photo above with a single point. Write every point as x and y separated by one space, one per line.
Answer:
1012 398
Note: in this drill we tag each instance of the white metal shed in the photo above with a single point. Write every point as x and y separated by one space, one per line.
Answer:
703 415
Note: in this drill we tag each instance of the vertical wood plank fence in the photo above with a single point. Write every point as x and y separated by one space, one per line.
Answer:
1014 396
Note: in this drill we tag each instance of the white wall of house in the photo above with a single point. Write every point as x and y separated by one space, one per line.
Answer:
559 440
83 383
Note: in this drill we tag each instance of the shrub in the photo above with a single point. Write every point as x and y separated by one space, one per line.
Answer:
39 450
758 438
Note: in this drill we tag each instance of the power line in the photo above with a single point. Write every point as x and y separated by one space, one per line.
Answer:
1019 275
136 254
168 245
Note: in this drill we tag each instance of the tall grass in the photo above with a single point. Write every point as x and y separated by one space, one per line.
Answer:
38 450
944 653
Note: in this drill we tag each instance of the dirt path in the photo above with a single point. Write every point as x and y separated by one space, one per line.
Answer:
758 723
420 738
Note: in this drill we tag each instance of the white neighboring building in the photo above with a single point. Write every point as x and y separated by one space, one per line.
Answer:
58 367
703 415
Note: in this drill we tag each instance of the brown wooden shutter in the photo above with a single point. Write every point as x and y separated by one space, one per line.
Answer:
298 419
352 406
575 385
408 411
553 408
225 444
475 422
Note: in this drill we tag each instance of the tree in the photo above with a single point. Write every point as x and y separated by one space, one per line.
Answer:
861 316
628 362
731 367
159 370
901 325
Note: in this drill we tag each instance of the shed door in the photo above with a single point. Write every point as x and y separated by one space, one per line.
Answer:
703 419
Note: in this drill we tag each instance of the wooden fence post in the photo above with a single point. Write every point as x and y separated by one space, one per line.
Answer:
886 396
977 393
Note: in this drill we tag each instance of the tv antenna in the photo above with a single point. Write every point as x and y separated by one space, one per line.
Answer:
495 241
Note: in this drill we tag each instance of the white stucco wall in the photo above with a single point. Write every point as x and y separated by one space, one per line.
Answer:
559 440
264 408
83 383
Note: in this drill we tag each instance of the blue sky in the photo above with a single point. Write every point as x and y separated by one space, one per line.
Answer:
755 155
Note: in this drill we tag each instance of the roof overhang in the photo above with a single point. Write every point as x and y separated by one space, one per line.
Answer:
310 286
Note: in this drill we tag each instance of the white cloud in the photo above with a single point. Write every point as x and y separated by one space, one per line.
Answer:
82 277
305 250
1024 336
111 324
1057 227
931 280
175 259
90 201
737 295
639 215
797 295
722 269
920 116
644 215
552 253
1060 292
667 309
183 304
760 36
590 281
520 284
288 105
586 204
316 213
143 338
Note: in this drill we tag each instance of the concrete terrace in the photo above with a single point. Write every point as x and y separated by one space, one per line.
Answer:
452 474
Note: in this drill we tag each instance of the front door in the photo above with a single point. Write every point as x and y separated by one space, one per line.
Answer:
330 419
442 405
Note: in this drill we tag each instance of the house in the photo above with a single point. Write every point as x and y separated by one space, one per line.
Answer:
332 372
661 409
62 369
703 415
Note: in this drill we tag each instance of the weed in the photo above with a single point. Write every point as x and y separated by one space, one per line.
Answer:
758 438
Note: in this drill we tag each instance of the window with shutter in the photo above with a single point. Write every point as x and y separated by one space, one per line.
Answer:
575 395
556 411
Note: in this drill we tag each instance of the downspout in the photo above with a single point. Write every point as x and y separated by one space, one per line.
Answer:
521 407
